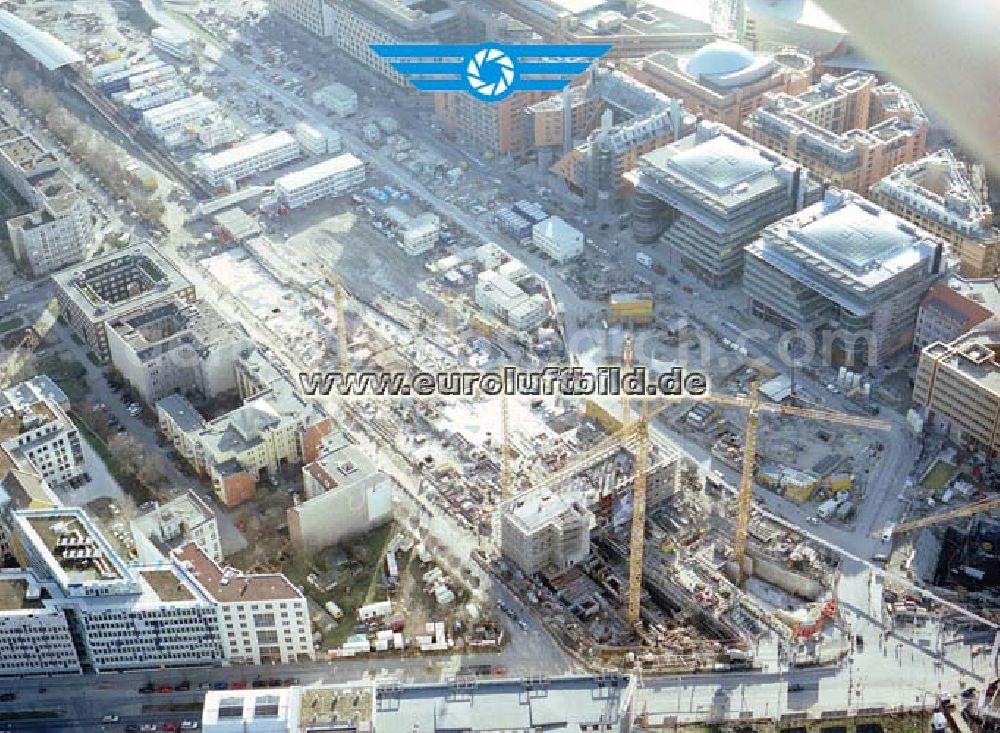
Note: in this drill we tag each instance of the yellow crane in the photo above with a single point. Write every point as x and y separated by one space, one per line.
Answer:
339 296
963 511
506 467
627 354
638 431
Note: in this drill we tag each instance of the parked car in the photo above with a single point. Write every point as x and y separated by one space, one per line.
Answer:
148 688
150 727
131 728
189 725
220 685
238 685
109 719
183 686
172 727
165 688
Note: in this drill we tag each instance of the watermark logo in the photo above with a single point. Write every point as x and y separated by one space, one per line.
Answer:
491 71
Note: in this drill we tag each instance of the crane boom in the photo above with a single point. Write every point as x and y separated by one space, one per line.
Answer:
626 365
824 415
637 536
745 497
958 513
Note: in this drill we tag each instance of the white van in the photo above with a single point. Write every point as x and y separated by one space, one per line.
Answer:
887 531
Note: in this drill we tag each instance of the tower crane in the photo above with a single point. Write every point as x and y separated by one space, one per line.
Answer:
627 354
339 296
506 468
637 431
963 511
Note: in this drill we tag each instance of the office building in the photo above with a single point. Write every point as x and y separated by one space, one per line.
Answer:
54 227
35 637
633 29
176 347
121 616
337 98
723 81
333 177
107 287
175 42
345 496
555 704
557 239
416 234
168 526
36 434
846 272
545 531
246 160
274 430
935 193
500 297
633 119
713 192
171 119
317 139
952 308
957 387
844 129
310 14
262 618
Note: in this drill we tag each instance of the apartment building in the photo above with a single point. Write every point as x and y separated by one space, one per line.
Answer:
723 81
498 127
557 239
176 347
333 177
847 129
248 159
174 43
310 14
500 297
37 435
262 618
951 309
713 192
345 495
55 227
108 287
168 526
935 194
847 272
420 233
957 386
545 531
274 430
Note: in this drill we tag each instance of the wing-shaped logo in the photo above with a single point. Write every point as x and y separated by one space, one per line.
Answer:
490 71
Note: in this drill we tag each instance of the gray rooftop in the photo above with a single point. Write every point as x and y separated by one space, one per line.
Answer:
721 163
555 705
857 238
182 412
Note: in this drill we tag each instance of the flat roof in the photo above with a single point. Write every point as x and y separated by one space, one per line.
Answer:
556 705
856 237
45 48
238 153
721 163
234 586
307 176
73 545
535 509
167 586
14 594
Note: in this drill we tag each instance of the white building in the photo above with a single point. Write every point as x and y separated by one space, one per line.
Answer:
498 296
542 530
176 347
176 43
34 635
318 139
262 618
333 177
248 159
346 495
337 98
123 616
170 119
420 234
185 518
557 239
57 230
36 433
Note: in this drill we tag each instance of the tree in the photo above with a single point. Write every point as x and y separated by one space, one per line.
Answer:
129 453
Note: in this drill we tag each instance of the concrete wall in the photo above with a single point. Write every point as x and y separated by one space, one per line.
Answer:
788 580
343 512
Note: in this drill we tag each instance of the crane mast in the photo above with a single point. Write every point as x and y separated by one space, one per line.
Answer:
637 537
745 497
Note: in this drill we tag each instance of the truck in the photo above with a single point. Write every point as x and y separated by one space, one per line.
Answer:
644 259
827 508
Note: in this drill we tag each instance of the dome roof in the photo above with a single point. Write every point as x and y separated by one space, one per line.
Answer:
718 57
